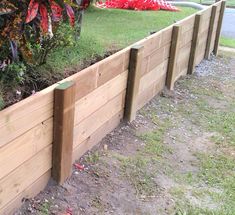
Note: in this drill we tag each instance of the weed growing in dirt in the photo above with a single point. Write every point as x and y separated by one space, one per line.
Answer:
140 169
45 208
93 158
136 171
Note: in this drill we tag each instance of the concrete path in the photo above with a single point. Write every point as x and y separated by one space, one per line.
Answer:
228 27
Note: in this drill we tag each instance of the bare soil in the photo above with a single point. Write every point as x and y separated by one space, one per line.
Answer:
158 163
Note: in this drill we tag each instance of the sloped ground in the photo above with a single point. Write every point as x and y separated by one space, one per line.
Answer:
178 157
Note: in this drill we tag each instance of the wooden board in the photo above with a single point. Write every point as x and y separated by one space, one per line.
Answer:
152 44
194 44
153 76
64 108
110 68
210 31
21 178
166 35
97 136
186 38
145 65
158 57
204 26
187 24
172 65
99 97
206 14
133 82
19 118
145 96
25 146
29 192
88 126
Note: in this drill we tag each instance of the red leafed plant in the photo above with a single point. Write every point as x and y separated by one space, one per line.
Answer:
24 23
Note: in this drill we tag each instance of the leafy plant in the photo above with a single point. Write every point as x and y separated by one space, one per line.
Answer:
13 73
28 22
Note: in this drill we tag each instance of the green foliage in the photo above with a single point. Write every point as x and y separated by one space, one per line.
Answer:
1 102
13 74
228 42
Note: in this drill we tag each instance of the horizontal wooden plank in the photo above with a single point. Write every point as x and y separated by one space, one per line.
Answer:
152 44
21 178
99 97
186 38
204 26
97 136
20 118
166 35
88 126
145 96
151 77
158 57
145 65
184 52
25 146
187 24
29 192
111 67
206 14
85 80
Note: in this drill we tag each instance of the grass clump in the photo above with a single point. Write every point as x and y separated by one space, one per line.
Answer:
228 42
136 171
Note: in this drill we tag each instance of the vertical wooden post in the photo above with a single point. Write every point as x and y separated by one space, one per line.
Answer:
192 58
136 57
64 104
218 30
210 31
175 42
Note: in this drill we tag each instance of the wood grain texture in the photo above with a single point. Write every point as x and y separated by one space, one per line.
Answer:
186 37
156 87
87 127
153 76
23 116
30 192
192 58
152 44
173 56
25 146
108 69
90 103
15 182
187 24
219 26
63 131
133 82
182 61
210 32
97 135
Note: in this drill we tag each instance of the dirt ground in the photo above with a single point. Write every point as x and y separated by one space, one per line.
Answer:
178 157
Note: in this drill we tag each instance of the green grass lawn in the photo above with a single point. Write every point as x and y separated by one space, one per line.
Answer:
228 2
228 42
108 29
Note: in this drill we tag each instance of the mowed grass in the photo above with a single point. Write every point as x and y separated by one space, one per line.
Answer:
228 42
228 2
107 29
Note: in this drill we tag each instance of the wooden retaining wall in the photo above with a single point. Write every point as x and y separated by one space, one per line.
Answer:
42 135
